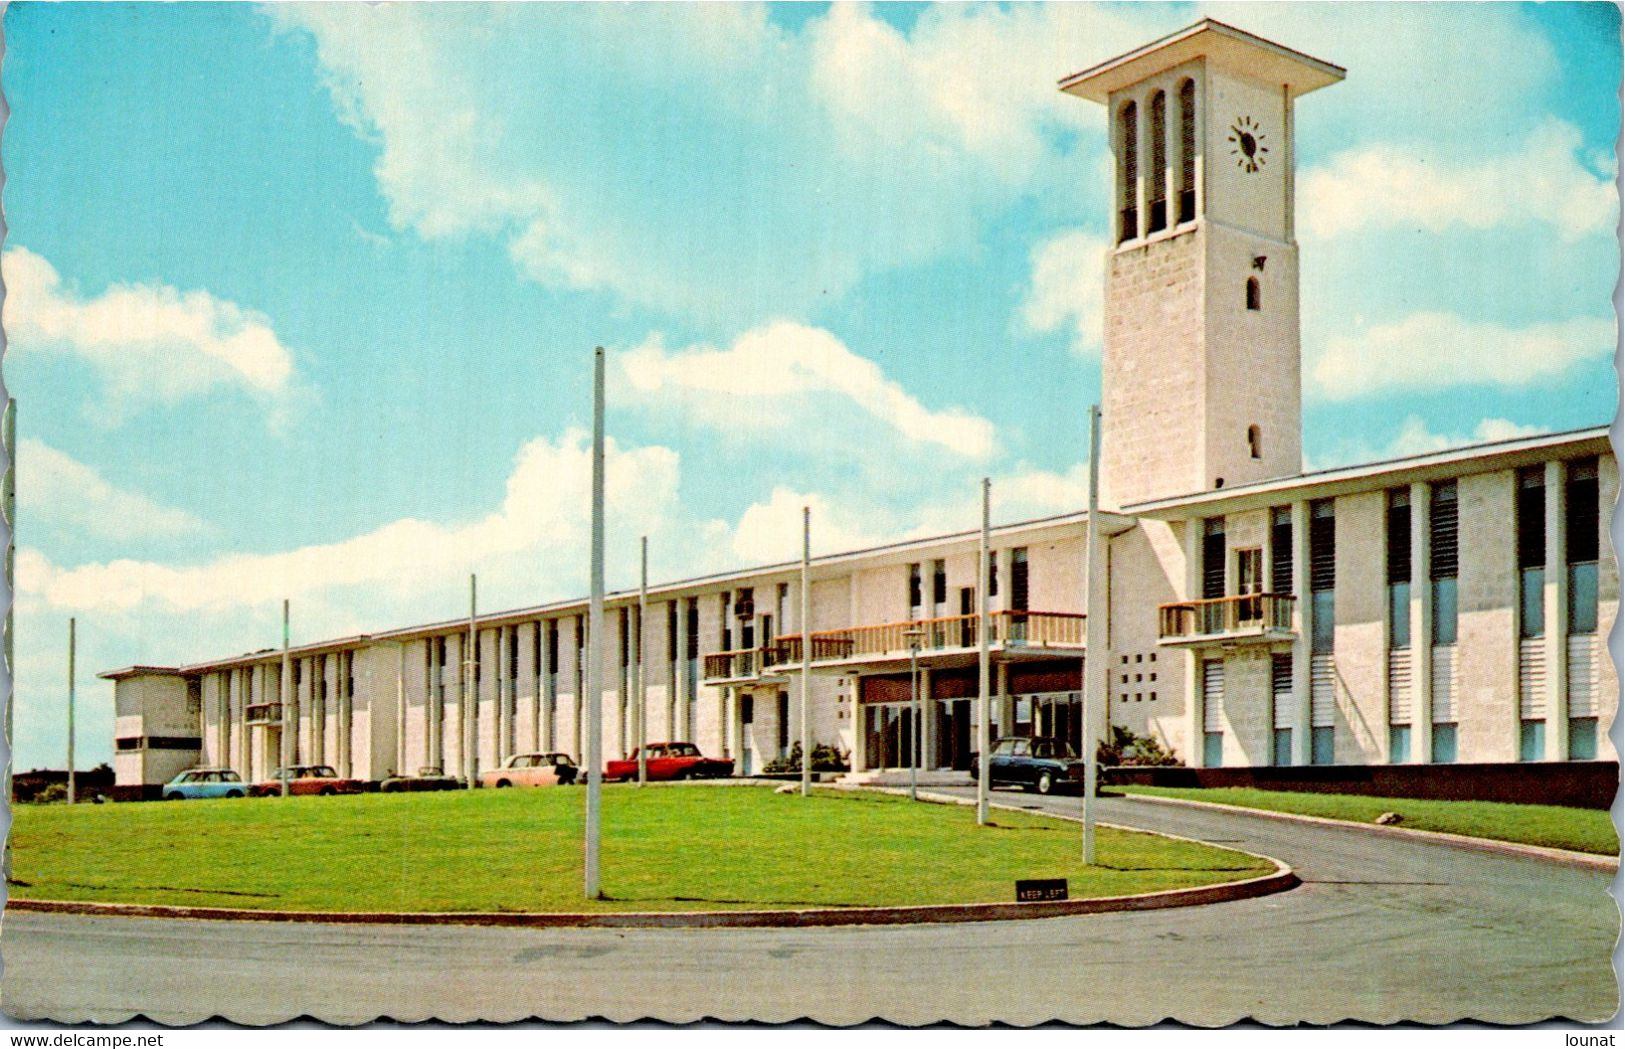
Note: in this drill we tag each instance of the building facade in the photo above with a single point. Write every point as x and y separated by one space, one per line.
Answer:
1446 608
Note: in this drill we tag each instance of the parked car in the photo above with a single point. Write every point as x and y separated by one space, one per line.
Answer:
1043 764
670 761
205 783
308 779
429 777
531 770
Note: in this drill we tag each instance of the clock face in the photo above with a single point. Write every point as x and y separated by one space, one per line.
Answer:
1247 144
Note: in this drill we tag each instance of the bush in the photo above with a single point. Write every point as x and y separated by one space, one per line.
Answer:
1126 748
825 758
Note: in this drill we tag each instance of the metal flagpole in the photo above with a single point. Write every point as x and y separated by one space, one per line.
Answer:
8 505
595 633
72 644
914 712
285 694
806 649
471 694
643 691
984 704
1094 660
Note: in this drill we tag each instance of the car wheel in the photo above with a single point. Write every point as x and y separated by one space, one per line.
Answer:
172 797
1046 782
234 793
327 792
503 783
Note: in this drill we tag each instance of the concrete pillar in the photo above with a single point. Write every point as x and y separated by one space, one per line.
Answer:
1303 642
1421 624
1555 600
1191 683
928 723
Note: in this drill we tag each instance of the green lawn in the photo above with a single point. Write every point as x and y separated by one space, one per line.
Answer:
664 848
1583 830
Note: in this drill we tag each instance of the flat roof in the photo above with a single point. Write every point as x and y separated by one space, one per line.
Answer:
1227 47
1337 480
135 671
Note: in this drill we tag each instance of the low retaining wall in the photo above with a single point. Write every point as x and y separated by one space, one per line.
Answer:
1578 784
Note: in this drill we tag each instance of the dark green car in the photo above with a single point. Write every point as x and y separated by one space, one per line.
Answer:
1044 764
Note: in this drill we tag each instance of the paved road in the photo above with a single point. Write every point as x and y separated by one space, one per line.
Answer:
1382 930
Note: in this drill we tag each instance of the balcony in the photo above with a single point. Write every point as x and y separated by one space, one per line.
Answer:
264 714
1012 635
740 666
1244 618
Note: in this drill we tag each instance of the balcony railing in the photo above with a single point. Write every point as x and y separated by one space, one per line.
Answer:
264 713
1243 615
1008 629
737 665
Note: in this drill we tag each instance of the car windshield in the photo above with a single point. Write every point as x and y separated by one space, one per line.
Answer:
318 772
228 776
683 750
562 759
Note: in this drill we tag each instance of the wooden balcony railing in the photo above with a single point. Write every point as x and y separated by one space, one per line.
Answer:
735 665
263 713
1242 614
1007 628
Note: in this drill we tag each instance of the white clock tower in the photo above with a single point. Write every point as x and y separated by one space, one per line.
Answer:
1201 379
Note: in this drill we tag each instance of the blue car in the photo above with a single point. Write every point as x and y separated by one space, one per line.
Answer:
205 783
1042 765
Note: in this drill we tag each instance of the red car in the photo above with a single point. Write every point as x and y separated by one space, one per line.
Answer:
670 761
308 779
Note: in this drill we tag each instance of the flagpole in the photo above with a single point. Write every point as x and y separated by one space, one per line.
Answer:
1094 677
72 645
595 635
643 692
806 649
984 712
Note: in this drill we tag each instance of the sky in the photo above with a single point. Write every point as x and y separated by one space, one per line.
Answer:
301 301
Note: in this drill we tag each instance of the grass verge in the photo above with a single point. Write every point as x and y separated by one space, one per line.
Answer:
1582 830
664 849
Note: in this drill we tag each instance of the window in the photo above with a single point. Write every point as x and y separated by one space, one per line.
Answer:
1255 442
1212 558
1158 196
1399 568
939 583
1281 550
915 592
1580 527
1443 531
1322 574
784 723
1018 579
1128 220
1254 294
1531 526
1187 151
1212 713
1281 701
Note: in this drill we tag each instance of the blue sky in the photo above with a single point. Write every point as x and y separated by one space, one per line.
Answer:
301 300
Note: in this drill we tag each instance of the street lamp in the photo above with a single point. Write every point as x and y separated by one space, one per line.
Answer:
914 636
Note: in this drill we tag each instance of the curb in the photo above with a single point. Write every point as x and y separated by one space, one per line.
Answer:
1588 860
1279 880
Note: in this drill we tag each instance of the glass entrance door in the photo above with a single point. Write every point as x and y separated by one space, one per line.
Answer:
888 735
953 734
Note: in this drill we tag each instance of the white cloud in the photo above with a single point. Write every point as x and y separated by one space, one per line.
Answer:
542 523
1389 185
1068 288
754 383
59 490
1440 350
146 341
1415 438
770 531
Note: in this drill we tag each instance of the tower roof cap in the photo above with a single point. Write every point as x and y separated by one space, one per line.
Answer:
1225 46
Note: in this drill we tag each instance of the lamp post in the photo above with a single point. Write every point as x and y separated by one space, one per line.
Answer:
914 636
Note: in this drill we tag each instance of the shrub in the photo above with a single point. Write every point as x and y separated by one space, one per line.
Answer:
825 758
1127 748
